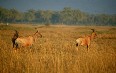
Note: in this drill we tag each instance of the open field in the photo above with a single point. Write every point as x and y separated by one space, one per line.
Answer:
56 51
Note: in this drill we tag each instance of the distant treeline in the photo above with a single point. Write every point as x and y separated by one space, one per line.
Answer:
67 16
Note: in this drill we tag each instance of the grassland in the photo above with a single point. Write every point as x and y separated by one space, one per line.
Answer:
56 51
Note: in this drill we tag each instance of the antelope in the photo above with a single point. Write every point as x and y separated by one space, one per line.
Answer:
15 36
27 41
86 40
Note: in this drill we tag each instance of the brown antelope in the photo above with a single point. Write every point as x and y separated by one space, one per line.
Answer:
86 40
27 41
15 36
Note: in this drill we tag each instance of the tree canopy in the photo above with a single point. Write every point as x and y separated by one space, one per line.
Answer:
67 16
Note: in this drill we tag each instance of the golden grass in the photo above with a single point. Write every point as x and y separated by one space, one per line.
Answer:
56 51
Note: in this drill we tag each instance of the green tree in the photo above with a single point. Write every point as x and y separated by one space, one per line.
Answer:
30 15
46 16
5 15
15 15
38 17
55 17
66 15
102 19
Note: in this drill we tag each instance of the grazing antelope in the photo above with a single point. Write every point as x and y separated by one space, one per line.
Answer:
86 40
15 36
27 41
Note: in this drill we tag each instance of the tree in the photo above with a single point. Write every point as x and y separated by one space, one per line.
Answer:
66 15
5 15
55 17
30 15
46 16
38 17
15 15
102 19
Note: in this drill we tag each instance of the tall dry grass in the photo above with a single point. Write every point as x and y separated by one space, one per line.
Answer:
56 51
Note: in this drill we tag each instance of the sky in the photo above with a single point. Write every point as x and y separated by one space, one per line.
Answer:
90 6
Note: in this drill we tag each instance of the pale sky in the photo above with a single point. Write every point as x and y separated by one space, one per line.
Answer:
90 6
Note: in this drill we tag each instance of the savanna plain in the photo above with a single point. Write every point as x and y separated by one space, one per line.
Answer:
56 51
